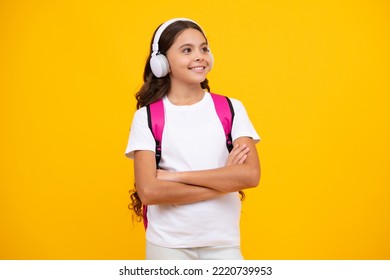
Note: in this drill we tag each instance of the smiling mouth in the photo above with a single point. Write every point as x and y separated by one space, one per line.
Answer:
198 68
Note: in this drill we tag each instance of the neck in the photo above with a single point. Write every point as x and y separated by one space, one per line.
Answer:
185 95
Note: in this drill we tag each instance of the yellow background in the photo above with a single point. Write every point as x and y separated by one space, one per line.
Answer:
313 75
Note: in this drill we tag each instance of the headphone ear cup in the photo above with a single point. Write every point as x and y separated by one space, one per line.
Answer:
211 60
159 65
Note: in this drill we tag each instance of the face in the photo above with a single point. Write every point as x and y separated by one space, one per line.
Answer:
189 58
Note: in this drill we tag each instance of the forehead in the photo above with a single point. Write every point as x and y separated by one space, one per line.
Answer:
189 36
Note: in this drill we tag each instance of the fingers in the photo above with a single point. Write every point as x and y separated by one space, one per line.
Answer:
241 156
240 149
242 159
238 155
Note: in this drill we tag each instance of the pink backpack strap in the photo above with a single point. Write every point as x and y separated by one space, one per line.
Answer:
225 112
144 215
156 121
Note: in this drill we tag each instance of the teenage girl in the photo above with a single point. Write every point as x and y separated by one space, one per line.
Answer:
193 197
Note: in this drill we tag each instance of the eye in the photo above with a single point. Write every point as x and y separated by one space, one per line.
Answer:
186 50
205 49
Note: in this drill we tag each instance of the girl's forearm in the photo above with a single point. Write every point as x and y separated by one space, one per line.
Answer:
226 179
166 192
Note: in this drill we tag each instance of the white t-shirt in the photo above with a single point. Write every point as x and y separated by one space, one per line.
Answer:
193 139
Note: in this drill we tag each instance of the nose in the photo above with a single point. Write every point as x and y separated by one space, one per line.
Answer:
199 56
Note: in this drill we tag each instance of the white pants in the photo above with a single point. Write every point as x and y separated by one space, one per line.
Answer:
155 252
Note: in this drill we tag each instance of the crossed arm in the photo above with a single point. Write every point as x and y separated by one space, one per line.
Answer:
241 171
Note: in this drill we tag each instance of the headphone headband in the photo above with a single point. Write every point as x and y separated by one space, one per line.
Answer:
160 30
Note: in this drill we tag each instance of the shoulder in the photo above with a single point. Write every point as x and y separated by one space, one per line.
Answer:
237 104
141 112
140 117
234 101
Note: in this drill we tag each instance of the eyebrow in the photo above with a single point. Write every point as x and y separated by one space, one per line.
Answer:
191 45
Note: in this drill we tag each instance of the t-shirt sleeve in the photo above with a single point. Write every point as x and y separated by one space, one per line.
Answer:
140 138
242 126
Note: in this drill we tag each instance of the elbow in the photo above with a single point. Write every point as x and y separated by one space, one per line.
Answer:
147 195
253 178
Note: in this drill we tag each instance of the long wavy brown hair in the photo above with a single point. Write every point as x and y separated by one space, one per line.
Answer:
155 88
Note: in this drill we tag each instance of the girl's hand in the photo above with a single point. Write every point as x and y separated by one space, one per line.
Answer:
238 155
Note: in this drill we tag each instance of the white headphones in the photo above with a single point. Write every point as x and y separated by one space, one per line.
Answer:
158 62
